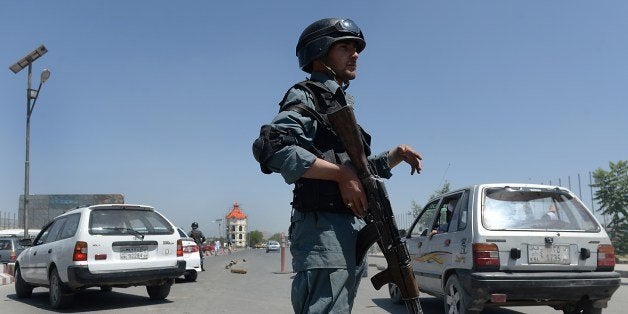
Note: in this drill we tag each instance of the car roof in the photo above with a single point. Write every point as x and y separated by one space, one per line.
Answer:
491 185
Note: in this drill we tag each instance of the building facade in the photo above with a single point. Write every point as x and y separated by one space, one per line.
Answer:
42 208
236 222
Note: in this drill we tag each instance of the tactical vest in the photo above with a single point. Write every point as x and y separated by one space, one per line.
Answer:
313 194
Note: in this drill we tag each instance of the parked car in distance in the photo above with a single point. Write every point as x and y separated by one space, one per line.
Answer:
113 245
511 244
272 246
191 256
10 248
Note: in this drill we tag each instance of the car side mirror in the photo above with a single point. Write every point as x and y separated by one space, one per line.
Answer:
26 242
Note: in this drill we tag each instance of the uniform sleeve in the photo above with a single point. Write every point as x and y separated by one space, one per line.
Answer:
292 161
381 165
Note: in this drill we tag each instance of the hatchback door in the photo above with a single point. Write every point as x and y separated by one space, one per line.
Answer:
419 247
541 229
41 253
130 238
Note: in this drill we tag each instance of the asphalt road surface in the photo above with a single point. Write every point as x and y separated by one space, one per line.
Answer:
264 288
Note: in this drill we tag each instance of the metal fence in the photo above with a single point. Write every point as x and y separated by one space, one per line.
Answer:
8 220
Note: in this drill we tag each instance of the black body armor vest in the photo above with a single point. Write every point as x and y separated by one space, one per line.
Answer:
314 194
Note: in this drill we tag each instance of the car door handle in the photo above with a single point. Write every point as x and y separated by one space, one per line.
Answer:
419 244
49 251
447 242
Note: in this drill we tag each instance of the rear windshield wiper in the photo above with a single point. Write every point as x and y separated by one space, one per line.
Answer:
127 230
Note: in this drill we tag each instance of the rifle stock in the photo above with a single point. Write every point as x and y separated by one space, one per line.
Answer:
381 226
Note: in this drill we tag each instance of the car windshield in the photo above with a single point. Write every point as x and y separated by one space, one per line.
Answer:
128 221
508 208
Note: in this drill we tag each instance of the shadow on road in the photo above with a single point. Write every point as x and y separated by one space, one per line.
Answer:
91 300
429 305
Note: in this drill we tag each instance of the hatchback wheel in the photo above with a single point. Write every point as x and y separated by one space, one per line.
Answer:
395 293
191 275
456 299
158 292
59 297
22 289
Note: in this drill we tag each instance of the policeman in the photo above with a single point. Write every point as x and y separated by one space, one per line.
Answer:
199 238
328 198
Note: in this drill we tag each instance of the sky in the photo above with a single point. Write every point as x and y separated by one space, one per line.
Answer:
161 100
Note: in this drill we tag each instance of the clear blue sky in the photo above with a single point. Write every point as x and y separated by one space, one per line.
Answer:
161 100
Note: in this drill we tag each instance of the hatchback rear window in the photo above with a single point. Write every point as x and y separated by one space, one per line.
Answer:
5 245
128 221
507 208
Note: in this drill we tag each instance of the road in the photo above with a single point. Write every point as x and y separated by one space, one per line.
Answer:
263 289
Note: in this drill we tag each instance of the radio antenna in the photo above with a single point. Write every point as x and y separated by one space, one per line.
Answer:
444 174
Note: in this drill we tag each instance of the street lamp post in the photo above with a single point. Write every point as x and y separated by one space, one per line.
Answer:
31 95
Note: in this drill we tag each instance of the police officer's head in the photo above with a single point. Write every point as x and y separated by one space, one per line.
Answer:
194 225
317 38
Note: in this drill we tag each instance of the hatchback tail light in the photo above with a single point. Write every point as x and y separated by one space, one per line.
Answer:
12 256
190 248
485 256
80 251
605 257
179 248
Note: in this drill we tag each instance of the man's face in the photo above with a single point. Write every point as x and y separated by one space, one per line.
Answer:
342 57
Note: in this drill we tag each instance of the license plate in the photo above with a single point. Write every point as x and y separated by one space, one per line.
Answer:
134 253
554 254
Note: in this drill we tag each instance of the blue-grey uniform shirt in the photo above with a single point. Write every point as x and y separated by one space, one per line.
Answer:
318 239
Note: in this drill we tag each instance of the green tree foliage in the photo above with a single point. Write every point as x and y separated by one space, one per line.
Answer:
612 195
276 237
416 208
255 237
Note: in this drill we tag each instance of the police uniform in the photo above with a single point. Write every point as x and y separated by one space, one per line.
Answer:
323 242
323 231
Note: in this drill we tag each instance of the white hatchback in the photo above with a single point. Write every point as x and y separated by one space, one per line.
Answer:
107 246
511 244
191 255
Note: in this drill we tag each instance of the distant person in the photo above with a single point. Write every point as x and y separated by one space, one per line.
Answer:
199 238
444 227
329 200
551 213
217 246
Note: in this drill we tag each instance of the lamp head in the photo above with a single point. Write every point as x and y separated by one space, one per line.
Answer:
45 74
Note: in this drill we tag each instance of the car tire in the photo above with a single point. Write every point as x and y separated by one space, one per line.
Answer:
395 293
22 289
59 295
158 292
106 288
456 299
191 275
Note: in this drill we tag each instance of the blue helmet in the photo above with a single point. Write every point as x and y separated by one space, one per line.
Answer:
316 39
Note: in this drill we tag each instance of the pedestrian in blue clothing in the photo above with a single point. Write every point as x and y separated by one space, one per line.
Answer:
328 198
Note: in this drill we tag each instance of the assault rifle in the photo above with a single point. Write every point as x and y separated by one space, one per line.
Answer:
381 226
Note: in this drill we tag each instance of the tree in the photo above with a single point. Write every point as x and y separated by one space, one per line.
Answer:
276 237
255 237
612 195
416 208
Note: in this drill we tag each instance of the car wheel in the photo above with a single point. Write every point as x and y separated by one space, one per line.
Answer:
588 308
395 293
584 308
158 292
59 296
106 288
22 289
456 299
191 275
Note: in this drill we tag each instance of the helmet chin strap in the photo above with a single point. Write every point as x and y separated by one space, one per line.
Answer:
333 75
